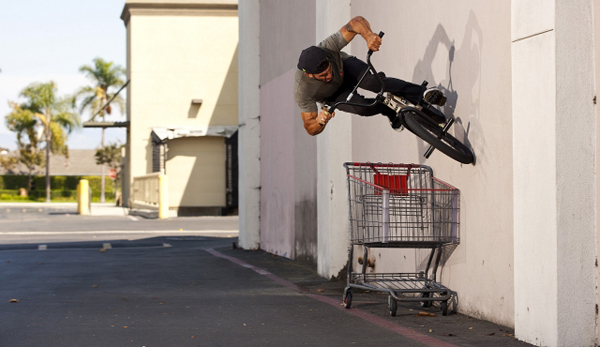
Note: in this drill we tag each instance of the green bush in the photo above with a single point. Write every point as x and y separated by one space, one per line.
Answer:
9 191
13 181
60 182
9 197
70 182
39 194
62 187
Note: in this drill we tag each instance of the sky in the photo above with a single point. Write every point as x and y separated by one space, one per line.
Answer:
49 40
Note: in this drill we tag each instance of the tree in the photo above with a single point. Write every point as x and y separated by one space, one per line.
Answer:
55 117
96 98
25 124
9 162
109 155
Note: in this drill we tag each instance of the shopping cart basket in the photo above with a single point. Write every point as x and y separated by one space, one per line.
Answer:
400 206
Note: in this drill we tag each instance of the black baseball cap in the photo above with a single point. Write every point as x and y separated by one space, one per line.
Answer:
313 60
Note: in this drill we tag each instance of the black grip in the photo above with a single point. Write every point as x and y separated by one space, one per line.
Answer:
381 33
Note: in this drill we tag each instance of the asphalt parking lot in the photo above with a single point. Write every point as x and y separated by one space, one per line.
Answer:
70 280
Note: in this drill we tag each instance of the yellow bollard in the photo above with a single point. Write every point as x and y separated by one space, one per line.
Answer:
163 197
83 198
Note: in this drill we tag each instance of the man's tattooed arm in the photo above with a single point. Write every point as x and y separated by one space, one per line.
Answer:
360 26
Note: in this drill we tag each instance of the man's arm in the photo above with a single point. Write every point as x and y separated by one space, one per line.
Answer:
313 121
360 26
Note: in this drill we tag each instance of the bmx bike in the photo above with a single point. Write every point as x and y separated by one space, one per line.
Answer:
415 118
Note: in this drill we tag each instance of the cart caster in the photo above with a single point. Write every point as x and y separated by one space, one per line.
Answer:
425 303
393 306
347 299
444 307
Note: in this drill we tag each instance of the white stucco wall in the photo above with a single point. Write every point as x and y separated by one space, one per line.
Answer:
249 124
288 161
334 148
277 169
535 163
597 109
464 48
554 154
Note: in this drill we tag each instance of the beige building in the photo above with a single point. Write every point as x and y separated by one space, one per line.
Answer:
182 97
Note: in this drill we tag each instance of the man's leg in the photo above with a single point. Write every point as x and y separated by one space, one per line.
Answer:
354 68
364 111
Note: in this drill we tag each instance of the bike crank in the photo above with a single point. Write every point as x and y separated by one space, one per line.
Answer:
430 150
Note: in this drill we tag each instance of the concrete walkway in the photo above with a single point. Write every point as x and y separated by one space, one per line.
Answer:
98 209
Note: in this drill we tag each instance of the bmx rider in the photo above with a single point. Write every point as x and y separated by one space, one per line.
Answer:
327 75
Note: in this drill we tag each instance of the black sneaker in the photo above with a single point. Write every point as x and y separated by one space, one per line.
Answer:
434 96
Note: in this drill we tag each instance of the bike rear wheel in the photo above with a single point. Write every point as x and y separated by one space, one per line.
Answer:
425 128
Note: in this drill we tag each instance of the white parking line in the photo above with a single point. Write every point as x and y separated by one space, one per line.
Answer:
165 232
42 247
132 218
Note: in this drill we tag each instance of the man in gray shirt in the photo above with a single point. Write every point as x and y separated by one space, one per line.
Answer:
327 75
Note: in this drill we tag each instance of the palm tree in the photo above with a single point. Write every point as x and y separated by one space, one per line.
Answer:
96 98
25 124
55 117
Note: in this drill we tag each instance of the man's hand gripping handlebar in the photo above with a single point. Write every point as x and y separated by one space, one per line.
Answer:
324 116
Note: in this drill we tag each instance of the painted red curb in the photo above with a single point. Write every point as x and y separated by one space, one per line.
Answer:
406 332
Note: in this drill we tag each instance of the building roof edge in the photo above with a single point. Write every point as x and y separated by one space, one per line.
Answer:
158 7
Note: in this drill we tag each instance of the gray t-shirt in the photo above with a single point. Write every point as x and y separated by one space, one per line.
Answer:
309 91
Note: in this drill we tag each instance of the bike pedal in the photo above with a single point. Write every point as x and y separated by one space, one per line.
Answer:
442 101
401 129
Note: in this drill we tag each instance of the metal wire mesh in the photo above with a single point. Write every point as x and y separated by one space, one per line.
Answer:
400 205
402 282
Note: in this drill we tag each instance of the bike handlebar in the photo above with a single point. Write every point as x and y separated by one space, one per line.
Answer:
369 68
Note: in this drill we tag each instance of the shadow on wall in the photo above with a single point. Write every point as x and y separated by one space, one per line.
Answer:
194 110
468 59
226 109
149 148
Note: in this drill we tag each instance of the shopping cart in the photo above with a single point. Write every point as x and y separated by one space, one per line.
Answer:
400 206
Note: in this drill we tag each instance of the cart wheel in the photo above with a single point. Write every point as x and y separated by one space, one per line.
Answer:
444 306
348 299
425 303
393 305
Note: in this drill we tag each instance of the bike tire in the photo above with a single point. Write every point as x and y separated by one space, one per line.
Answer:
425 128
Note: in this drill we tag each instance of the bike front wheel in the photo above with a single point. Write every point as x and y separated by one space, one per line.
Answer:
425 128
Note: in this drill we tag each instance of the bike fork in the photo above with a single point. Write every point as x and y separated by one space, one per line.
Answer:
444 131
